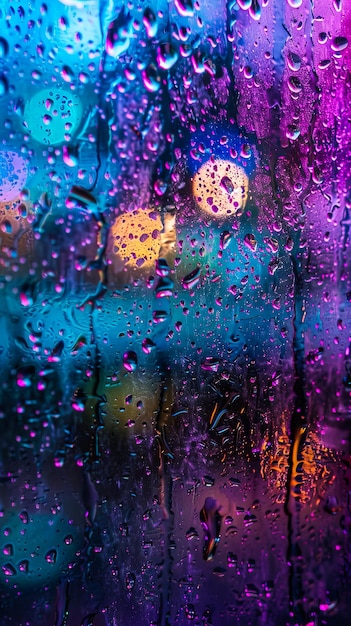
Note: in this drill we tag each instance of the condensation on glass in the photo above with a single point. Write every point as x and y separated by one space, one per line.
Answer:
175 296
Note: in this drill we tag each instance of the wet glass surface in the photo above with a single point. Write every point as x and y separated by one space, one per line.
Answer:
175 297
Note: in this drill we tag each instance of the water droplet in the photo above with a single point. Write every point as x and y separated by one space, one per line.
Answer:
151 78
227 184
6 226
118 35
4 47
211 522
67 74
244 4
292 132
250 241
294 61
159 316
130 361
232 559
210 364
23 566
339 44
55 355
255 10
166 56
8 569
191 280
3 85
226 238
191 534
24 517
164 288
130 581
148 346
185 8
160 186
294 85
51 556
162 268
150 22
190 612
8 549
70 156
322 65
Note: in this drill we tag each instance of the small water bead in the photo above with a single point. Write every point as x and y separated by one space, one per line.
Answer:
51 556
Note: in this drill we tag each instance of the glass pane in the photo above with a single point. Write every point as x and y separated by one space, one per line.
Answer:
175 313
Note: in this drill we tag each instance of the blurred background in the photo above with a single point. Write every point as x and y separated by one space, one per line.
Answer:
175 298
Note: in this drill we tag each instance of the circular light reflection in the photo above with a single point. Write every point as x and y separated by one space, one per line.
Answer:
52 116
13 174
137 237
220 188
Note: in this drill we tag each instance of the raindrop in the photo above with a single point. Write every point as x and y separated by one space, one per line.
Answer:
295 4
190 612
130 581
8 569
185 8
4 47
294 85
70 156
8 549
24 517
23 566
51 556
191 280
191 534
255 10
166 56
250 241
3 85
244 4
67 74
322 65
150 22
130 361
151 78
227 184
339 44
226 238
148 346
294 61
118 35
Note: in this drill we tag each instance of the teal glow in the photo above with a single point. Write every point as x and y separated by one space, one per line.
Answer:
52 116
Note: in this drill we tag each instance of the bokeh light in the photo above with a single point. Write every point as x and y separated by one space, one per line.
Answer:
13 175
53 115
220 188
137 237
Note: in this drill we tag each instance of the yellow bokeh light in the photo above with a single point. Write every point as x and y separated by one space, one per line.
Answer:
137 237
220 188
